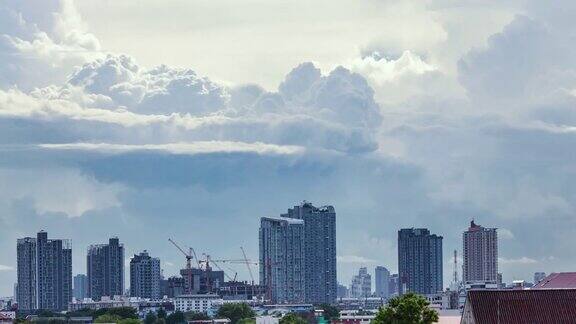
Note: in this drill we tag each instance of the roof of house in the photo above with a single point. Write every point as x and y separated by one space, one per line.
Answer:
558 280
523 306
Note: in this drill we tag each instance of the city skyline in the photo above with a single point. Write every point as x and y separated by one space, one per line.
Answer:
190 120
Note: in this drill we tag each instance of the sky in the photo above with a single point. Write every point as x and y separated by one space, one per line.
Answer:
190 120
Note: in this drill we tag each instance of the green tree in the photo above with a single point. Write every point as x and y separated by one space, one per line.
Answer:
406 309
150 318
247 321
196 316
162 313
292 318
330 312
129 321
235 312
175 318
107 318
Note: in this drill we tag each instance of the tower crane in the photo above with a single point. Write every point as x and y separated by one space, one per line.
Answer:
188 264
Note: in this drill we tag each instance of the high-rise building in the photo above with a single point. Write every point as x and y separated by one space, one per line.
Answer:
282 259
145 276
342 291
361 285
419 261
538 276
381 279
44 273
80 286
105 264
393 285
480 246
319 250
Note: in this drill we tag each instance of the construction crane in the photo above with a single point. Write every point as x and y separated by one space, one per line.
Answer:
188 264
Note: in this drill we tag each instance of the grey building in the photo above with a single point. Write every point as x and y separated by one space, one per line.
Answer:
419 261
393 285
480 246
44 273
381 279
145 276
319 250
105 265
361 285
80 286
281 244
539 276
342 291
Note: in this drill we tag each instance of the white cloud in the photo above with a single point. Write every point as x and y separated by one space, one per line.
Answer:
505 234
517 261
354 259
191 148
6 268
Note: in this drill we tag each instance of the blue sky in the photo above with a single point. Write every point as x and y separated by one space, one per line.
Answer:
191 120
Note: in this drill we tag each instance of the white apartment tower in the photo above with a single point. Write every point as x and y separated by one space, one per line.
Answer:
480 246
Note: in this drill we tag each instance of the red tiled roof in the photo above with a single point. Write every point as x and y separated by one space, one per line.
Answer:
542 306
558 280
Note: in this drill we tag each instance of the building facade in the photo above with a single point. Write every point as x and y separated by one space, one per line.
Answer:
282 259
44 273
419 261
393 285
480 246
145 276
105 265
80 286
381 281
320 251
361 285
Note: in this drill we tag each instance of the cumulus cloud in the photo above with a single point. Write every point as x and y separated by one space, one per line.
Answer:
6 268
356 259
521 260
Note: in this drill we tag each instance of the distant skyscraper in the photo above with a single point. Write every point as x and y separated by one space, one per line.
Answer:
361 284
419 261
105 264
342 291
320 251
282 259
44 273
145 276
382 278
480 246
80 286
393 285
538 276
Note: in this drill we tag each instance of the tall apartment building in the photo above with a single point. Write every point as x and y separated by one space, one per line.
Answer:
381 279
319 250
105 265
281 245
80 286
480 246
361 285
44 273
393 285
145 276
419 261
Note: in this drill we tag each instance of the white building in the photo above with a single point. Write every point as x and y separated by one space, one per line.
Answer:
361 284
206 303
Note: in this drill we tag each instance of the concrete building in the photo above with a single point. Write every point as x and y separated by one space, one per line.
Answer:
205 303
320 251
80 286
145 276
393 285
419 261
173 287
282 259
381 281
361 285
480 246
44 273
105 265
201 281
342 291
538 276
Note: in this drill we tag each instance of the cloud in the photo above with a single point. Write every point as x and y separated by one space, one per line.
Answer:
182 148
354 259
505 234
6 268
518 261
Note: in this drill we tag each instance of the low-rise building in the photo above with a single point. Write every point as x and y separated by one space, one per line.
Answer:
205 303
360 303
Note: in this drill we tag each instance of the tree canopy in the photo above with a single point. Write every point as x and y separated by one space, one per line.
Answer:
330 312
235 312
292 318
406 309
